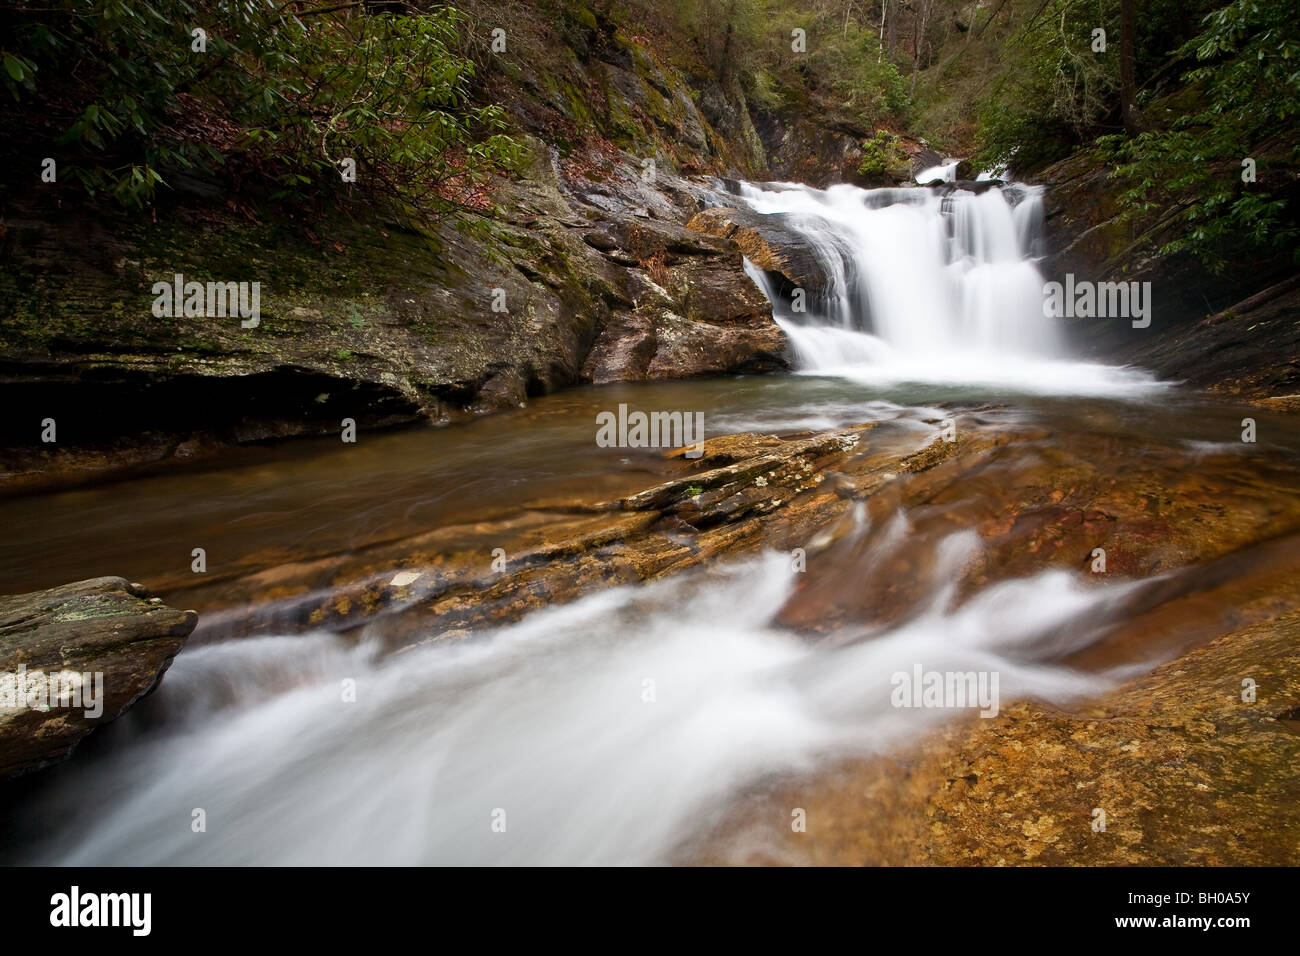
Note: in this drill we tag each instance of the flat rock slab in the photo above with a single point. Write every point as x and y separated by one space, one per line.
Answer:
75 657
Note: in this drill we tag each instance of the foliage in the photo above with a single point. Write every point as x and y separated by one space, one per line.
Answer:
881 153
729 33
1248 81
845 63
842 65
1053 90
287 94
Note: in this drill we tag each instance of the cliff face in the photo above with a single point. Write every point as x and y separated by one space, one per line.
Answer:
369 322
582 272
1236 332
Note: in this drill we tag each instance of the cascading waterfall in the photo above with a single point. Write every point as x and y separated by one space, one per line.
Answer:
926 285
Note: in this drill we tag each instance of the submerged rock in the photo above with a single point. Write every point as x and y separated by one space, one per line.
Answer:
75 657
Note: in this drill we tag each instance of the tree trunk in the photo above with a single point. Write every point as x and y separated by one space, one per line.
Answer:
1133 123
918 38
724 61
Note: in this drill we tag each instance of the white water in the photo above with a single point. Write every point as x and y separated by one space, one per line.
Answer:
945 171
929 288
546 720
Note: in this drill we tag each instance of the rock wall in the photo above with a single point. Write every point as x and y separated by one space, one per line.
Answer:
582 273
1212 330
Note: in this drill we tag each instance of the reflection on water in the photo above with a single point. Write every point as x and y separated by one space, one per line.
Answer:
269 505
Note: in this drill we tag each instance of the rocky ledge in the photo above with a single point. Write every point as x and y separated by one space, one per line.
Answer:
592 277
766 240
75 657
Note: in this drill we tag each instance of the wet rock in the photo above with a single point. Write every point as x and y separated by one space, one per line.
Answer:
696 313
718 291
1043 505
1185 771
976 186
925 158
659 344
686 348
745 492
623 351
101 644
1212 330
767 243
600 240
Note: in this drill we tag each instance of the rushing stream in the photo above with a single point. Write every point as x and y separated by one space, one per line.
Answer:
612 729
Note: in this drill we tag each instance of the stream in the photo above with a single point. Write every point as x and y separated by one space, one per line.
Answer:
622 727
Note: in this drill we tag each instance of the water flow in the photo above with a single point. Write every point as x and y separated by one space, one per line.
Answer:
923 286
606 731
945 172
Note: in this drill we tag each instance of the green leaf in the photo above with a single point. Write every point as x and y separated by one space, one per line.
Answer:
14 67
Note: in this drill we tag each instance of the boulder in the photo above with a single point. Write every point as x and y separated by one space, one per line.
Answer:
976 186
85 652
925 158
693 310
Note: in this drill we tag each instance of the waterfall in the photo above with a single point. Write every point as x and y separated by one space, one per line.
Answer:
926 285
945 171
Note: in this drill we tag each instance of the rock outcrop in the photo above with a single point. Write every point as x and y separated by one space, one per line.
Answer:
75 657
746 491
1214 331
767 242
593 277
1052 506
805 144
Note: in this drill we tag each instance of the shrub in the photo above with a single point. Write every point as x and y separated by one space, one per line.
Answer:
881 153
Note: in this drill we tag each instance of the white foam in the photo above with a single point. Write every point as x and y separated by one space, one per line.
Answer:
607 731
927 288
